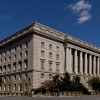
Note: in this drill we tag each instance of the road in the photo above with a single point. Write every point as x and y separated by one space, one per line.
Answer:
51 98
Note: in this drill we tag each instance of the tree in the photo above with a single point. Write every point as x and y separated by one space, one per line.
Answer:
24 84
95 83
49 86
9 85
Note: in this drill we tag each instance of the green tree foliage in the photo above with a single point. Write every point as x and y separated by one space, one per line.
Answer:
95 83
24 84
49 85
9 85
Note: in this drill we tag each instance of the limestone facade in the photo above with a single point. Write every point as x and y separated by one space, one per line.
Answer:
38 52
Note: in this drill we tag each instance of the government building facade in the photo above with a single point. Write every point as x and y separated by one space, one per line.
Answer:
37 53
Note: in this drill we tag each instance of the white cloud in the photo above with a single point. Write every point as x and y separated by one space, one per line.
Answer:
4 17
81 8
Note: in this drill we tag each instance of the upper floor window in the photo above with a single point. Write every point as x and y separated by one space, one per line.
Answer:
20 65
4 68
20 55
25 76
20 47
9 59
15 57
26 63
42 75
50 47
26 45
42 44
15 49
1 61
26 53
42 53
20 76
50 76
42 64
57 56
14 64
50 55
0 69
50 65
57 48
57 67
4 60
9 67
14 77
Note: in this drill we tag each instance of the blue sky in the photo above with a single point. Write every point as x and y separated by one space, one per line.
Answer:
78 18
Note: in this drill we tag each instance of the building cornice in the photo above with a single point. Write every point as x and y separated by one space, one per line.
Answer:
47 31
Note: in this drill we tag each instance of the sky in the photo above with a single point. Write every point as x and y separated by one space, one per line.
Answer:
78 18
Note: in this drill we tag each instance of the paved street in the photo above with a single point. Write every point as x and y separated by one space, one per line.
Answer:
51 98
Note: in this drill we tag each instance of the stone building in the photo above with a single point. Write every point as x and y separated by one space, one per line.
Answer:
38 52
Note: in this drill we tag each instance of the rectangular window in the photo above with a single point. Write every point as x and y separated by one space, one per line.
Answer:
20 65
0 69
26 53
57 67
50 76
26 63
14 77
20 77
57 49
4 60
50 65
9 59
26 45
15 57
20 47
14 64
57 56
20 56
42 64
15 49
42 53
50 55
42 75
42 44
9 67
4 68
50 47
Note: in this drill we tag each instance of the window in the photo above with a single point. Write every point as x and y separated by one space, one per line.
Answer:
57 48
42 53
50 76
4 79
57 67
57 56
26 63
15 87
42 64
4 68
50 47
42 44
25 76
50 65
20 55
9 67
5 60
14 64
9 59
15 49
1 61
50 55
0 69
20 77
26 45
15 57
20 47
26 53
14 77
20 65
42 75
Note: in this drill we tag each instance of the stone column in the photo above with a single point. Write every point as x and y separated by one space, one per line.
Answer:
70 60
67 59
75 61
81 63
85 63
90 64
98 65
94 65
